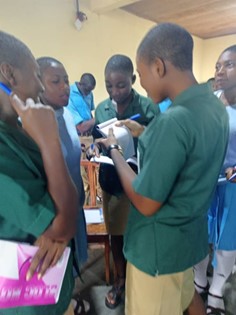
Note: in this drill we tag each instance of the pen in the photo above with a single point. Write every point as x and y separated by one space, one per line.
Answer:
5 88
135 117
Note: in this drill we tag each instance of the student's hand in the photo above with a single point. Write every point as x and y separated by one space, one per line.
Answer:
93 150
37 120
47 256
229 172
106 142
135 128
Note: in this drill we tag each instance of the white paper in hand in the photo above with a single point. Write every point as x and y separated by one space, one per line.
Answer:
122 134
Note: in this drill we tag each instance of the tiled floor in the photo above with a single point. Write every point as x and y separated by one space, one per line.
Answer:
94 288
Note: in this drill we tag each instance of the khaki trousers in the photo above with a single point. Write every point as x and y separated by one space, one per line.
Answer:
161 295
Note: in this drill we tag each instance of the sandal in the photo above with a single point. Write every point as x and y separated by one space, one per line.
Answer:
214 311
211 310
204 290
115 295
81 307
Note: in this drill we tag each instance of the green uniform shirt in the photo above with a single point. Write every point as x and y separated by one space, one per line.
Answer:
181 153
139 105
26 208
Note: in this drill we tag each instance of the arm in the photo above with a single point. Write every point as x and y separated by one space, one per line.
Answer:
40 123
144 205
85 126
82 125
62 191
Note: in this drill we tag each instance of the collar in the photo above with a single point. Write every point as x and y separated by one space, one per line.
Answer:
109 104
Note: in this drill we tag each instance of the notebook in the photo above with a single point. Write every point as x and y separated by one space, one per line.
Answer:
122 134
15 290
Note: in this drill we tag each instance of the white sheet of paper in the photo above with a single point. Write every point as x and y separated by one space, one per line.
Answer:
93 216
107 160
102 159
122 134
8 265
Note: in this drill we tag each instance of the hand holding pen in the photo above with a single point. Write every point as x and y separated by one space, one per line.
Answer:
135 128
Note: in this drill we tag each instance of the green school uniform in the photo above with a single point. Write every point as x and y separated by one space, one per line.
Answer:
139 105
181 153
26 208
115 204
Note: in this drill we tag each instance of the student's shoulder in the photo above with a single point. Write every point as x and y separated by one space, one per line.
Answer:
103 105
175 117
74 91
144 105
73 87
141 98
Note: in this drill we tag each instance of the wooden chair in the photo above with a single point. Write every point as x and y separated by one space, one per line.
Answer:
96 233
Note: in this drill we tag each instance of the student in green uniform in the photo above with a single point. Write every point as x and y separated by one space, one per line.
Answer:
166 233
123 102
38 201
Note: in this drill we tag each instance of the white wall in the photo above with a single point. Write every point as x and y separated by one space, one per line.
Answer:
47 27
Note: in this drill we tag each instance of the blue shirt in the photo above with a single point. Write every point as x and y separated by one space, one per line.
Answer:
79 105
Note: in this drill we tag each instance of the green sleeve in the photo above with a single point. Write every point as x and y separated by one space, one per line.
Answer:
25 202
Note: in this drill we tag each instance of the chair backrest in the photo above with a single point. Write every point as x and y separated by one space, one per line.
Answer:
91 171
96 233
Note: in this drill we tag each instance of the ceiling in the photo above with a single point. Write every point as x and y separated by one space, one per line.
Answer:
203 18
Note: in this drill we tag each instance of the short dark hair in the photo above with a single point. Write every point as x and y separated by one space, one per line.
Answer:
13 51
89 77
169 42
45 62
120 63
230 48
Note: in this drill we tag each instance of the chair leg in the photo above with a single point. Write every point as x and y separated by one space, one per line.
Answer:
107 260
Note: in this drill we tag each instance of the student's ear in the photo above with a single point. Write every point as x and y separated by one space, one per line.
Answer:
7 73
133 78
160 67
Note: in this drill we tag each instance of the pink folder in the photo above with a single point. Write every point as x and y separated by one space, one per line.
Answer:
15 290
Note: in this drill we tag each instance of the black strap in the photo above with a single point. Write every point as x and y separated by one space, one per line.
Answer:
75 261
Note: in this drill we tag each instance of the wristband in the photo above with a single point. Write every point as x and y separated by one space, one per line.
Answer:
114 146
